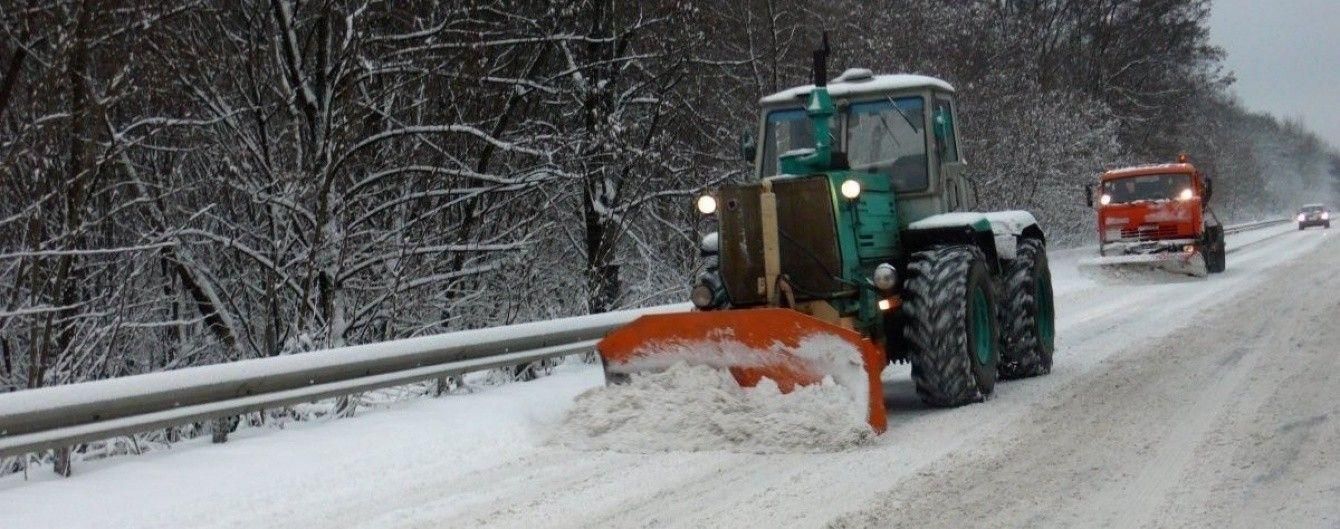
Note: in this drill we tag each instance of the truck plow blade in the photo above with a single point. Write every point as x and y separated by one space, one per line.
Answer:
790 348
1125 266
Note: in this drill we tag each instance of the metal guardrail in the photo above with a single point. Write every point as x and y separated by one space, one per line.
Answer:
1249 226
62 416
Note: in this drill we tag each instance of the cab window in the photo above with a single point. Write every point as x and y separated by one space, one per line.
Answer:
889 136
1146 188
786 130
946 142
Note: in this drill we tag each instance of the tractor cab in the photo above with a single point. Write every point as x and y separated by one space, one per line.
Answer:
901 128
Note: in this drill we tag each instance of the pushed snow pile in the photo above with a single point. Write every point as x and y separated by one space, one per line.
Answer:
698 408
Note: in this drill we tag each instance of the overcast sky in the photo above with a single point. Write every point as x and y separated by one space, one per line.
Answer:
1286 57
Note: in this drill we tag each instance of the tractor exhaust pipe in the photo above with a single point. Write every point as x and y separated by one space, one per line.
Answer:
821 63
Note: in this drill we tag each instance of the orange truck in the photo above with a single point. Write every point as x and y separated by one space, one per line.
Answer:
1157 216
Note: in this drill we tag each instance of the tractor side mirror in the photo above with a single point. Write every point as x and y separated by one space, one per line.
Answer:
748 147
1088 195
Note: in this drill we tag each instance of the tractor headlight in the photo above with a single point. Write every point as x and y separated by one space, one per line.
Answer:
1186 194
710 244
885 277
707 204
1105 199
702 296
851 189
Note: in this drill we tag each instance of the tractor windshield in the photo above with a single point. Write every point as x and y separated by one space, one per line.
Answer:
787 130
1146 187
889 136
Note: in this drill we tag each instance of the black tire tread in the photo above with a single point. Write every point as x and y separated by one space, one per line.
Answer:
935 302
1023 353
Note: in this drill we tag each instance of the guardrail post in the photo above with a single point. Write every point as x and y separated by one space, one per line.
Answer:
62 461
220 427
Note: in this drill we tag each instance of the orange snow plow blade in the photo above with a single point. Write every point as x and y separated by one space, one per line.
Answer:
783 345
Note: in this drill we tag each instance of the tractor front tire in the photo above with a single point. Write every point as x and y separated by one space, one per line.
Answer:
1028 314
950 327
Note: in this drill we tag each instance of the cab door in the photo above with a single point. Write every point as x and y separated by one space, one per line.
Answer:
948 160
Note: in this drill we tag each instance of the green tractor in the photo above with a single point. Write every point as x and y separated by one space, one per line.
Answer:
860 227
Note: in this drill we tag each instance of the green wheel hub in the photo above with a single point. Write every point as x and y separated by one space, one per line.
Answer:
981 327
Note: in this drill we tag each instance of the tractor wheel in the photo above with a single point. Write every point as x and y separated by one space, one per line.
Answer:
1028 316
951 328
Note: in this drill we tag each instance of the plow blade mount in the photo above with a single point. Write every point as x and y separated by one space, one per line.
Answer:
790 348
1181 263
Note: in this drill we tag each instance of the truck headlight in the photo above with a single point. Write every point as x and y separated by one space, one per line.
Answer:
1325 216
885 277
1105 199
1186 194
851 189
707 204
1302 217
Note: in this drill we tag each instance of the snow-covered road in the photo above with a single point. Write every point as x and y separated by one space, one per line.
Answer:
1204 402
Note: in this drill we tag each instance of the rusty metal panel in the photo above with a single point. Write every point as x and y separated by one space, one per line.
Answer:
809 246
741 233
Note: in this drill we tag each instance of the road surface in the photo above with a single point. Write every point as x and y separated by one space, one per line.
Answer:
1202 403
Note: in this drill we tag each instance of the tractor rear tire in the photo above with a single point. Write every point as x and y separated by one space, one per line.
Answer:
950 327
1028 315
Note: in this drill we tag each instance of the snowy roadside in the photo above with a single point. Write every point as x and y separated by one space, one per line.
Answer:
382 447
465 458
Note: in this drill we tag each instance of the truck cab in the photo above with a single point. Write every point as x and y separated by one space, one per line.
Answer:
1159 213
1152 203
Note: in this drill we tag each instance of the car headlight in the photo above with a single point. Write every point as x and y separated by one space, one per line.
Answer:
1302 217
707 204
1325 216
851 189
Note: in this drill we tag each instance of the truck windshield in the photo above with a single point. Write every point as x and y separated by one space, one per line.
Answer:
1145 187
889 137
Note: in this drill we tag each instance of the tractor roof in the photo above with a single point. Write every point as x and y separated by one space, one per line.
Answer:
1141 170
857 81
